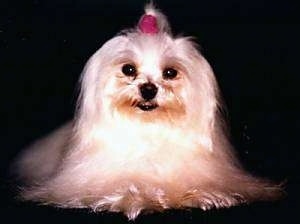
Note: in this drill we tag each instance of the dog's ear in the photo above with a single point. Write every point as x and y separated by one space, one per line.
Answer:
202 92
207 89
89 103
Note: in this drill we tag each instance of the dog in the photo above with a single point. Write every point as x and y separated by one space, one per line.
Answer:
147 135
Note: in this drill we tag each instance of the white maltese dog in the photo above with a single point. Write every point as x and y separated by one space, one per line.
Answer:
147 134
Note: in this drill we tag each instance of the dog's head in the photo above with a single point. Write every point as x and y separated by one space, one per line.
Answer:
146 74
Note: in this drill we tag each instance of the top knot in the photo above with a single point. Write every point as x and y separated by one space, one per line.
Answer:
148 24
153 21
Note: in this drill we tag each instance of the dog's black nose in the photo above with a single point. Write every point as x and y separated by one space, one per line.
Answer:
148 91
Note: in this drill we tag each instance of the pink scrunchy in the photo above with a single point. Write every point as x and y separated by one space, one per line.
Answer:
148 24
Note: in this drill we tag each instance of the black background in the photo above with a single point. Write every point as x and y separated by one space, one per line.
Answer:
253 47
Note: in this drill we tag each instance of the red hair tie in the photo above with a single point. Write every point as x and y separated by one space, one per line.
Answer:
148 24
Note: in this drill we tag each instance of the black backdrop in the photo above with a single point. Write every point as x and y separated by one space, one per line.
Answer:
252 46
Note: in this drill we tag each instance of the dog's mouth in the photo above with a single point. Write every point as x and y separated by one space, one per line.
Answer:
147 105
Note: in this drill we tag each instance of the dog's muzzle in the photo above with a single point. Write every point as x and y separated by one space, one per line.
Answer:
148 92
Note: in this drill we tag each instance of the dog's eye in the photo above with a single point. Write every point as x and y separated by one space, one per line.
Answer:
169 73
129 70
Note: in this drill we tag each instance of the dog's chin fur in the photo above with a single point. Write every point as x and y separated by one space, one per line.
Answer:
118 157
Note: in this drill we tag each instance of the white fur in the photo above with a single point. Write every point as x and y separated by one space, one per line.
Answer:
114 156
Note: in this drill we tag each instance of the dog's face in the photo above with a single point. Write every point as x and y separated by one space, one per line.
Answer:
153 79
150 78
